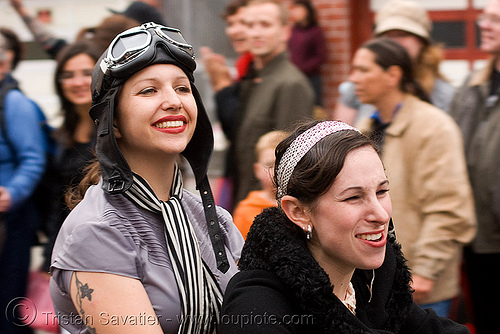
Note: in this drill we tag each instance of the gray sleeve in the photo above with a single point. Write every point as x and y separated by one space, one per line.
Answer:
98 247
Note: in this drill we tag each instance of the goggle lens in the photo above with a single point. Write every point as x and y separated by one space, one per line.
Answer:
129 44
177 39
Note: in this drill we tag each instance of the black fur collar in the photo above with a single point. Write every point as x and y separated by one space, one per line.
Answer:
276 245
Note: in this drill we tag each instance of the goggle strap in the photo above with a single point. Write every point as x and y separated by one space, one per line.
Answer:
104 66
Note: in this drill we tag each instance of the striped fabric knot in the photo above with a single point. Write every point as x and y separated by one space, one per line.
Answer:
201 296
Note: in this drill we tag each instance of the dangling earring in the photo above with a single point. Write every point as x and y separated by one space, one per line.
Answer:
308 232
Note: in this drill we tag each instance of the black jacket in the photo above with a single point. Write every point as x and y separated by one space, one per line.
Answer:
282 289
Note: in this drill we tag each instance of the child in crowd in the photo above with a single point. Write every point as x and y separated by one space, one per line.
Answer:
258 200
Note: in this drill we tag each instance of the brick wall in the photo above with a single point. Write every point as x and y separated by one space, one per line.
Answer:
334 18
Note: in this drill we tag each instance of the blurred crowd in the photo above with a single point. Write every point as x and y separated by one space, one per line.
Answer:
439 144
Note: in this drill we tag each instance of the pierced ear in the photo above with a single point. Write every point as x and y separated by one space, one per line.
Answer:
296 211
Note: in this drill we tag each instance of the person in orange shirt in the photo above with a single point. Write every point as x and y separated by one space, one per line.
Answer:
258 200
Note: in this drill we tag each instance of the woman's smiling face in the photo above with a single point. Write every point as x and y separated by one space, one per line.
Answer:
75 79
156 112
350 221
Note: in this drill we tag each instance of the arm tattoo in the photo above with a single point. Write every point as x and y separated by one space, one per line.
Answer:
83 291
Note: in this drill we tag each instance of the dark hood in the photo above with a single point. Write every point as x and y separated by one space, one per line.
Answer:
276 245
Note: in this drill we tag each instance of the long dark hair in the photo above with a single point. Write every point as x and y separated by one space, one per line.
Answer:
233 7
13 43
390 53
312 15
71 117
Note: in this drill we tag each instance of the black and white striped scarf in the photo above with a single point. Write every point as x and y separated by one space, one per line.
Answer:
201 296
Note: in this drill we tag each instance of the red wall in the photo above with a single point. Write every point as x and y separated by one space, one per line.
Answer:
343 36
334 19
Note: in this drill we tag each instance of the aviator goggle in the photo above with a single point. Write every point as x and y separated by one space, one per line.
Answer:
134 48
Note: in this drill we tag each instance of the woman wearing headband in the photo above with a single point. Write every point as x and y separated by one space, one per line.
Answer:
139 254
326 260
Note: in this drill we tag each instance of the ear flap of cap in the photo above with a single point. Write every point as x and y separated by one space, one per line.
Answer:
199 149
116 173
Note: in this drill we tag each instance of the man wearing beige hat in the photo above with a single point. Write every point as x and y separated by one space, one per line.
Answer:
476 108
409 24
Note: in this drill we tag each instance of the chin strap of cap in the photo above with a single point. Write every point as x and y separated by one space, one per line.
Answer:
214 230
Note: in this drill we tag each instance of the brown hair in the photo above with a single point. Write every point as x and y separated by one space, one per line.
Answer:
75 194
390 53
312 16
317 170
13 42
233 7
426 68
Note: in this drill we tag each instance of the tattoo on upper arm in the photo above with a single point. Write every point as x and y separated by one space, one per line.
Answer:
83 291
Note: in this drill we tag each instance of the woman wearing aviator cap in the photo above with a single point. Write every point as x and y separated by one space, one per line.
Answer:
139 254
326 260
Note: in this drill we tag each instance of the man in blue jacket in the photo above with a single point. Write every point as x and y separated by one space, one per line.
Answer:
22 163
